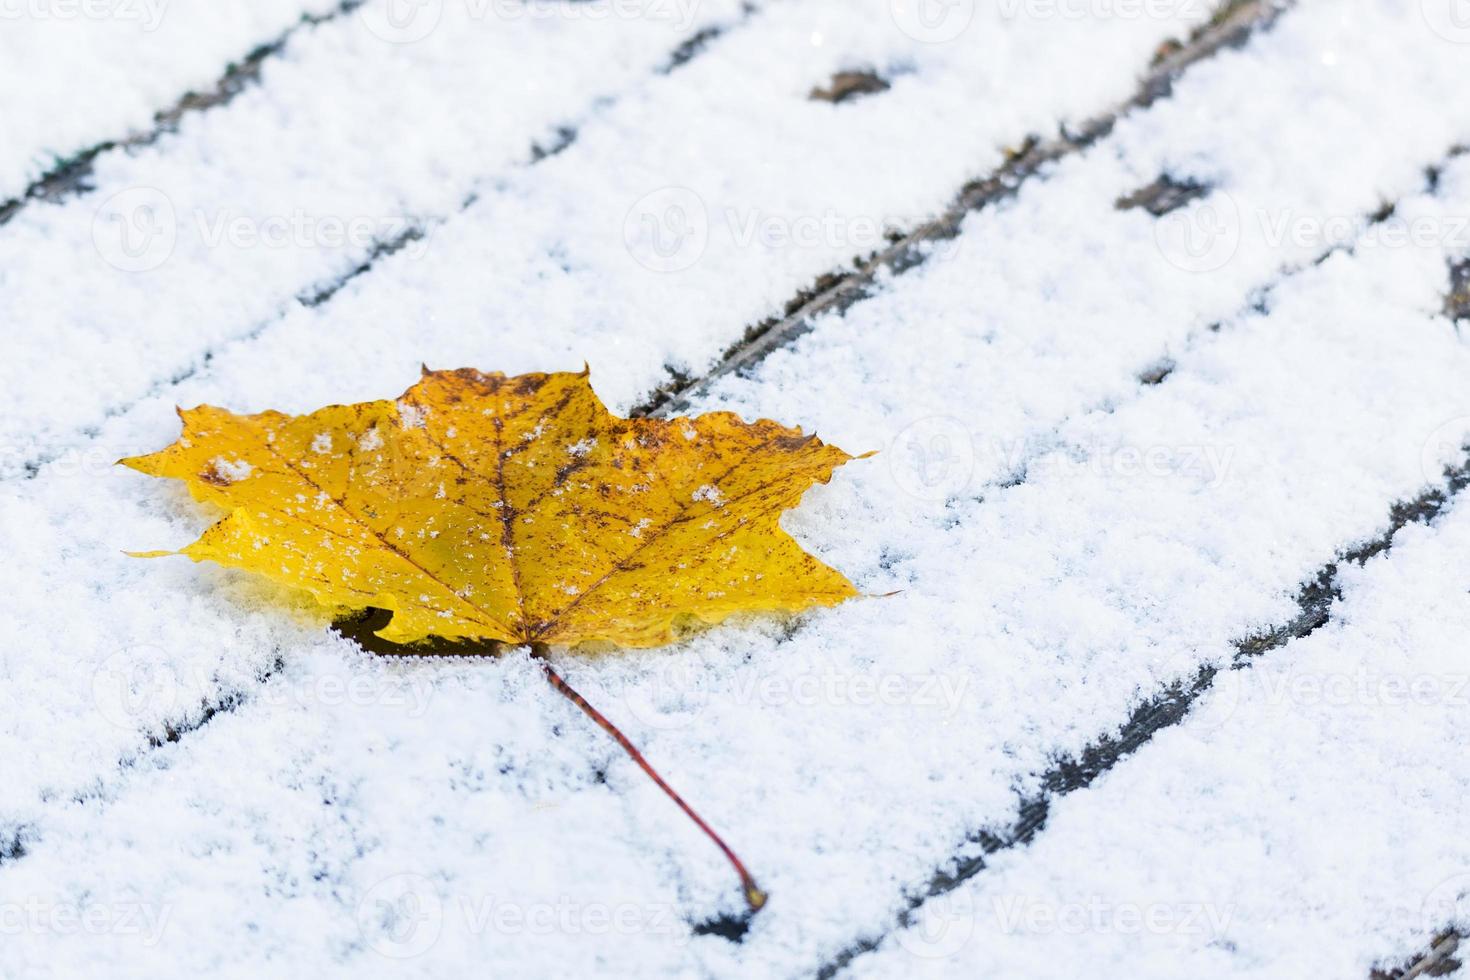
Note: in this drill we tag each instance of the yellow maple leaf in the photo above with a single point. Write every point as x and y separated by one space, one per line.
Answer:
485 507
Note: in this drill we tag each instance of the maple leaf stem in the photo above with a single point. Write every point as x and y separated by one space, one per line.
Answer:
754 896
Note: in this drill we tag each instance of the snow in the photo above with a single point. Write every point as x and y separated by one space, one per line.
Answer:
1062 539
1310 813
710 494
236 470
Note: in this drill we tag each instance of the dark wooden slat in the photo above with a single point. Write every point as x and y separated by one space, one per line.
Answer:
695 45
846 86
1457 301
1439 961
1163 196
12 844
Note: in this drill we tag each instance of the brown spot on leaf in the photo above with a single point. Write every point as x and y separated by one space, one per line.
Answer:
528 384
791 443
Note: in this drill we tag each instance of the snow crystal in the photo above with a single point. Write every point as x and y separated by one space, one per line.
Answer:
711 493
233 470
411 416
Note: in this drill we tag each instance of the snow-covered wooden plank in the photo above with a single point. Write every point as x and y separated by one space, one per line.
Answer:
1070 566
81 77
776 188
1307 819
